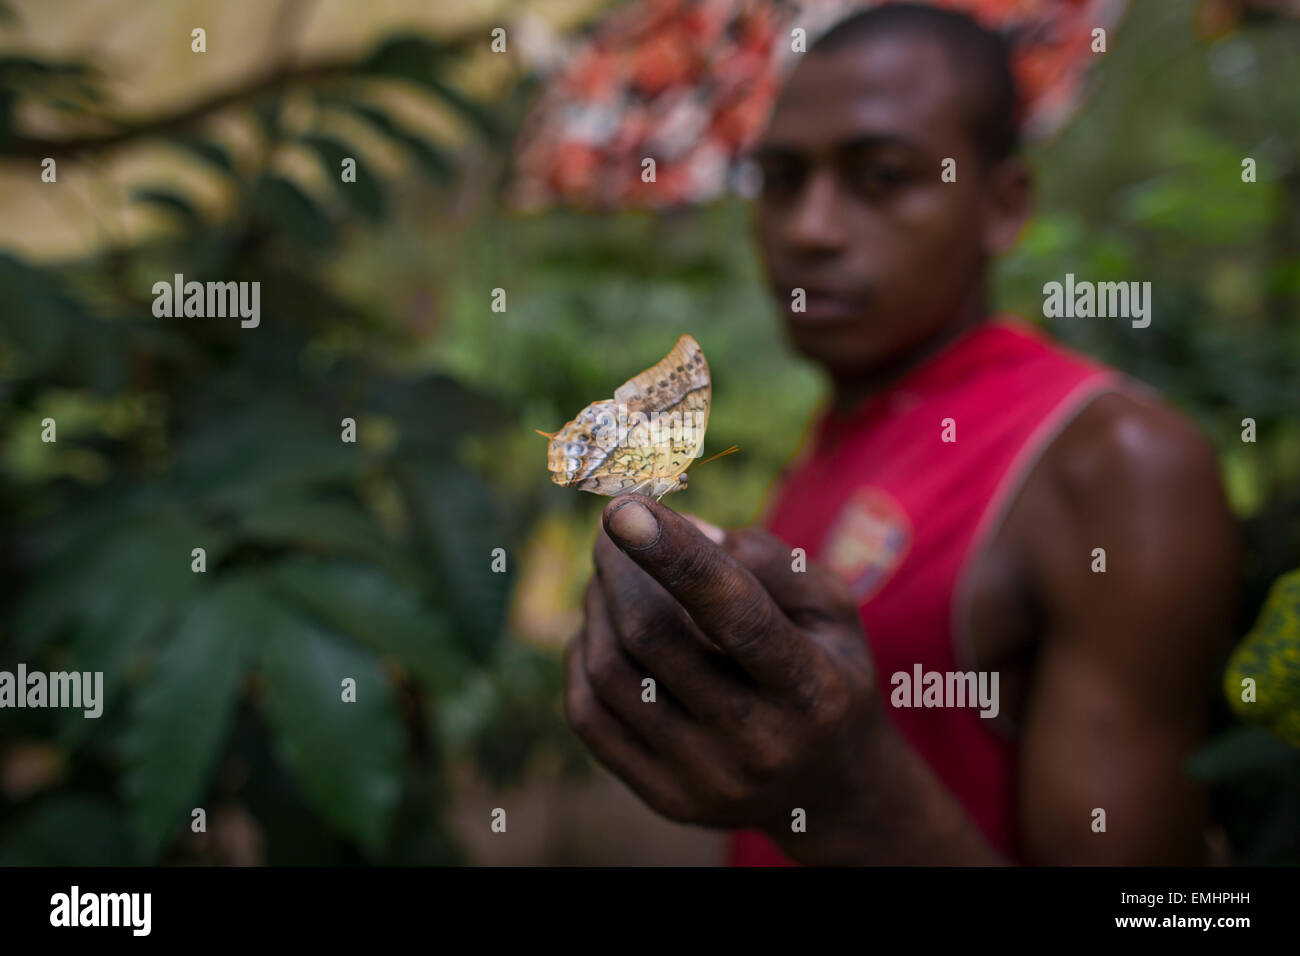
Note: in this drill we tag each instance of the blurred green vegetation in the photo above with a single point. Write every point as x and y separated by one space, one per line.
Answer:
326 560
373 561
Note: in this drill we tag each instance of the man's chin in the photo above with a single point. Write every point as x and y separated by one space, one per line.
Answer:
837 346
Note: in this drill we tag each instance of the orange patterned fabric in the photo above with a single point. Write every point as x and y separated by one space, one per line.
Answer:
690 84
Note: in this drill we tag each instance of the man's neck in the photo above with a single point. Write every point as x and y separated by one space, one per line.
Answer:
849 391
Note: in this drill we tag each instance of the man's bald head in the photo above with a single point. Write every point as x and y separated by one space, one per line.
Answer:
978 55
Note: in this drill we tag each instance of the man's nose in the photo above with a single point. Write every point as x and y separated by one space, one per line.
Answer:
816 220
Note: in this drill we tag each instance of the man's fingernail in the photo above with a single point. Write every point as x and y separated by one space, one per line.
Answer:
634 525
710 531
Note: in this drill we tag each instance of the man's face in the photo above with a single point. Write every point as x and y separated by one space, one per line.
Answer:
853 208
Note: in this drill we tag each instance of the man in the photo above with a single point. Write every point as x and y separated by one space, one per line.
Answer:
1046 538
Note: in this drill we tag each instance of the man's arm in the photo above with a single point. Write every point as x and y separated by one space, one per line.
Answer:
1118 698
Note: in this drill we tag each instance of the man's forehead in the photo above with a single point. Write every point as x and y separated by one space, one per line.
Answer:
886 87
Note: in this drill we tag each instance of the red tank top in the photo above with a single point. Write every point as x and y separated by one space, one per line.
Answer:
903 515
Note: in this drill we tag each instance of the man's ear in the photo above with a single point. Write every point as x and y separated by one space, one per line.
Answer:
1010 203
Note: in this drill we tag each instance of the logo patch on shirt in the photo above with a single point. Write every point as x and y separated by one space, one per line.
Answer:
867 541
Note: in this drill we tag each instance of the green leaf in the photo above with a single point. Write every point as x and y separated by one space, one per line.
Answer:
180 718
122 594
330 525
439 164
505 714
456 531
63 549
266 110
293 213
35 75
1270 657
468 412
365 195
421 61
7 101
172 202
38 317
209 151
371 607
1240 751
111 562
474 112
406 55
347 756
240 457
68 830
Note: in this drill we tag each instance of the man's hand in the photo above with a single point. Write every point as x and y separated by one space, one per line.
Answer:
765 699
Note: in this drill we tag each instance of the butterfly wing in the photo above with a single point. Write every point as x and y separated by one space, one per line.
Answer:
674 397
584 446
651 429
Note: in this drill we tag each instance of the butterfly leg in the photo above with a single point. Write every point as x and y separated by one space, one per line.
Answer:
640 487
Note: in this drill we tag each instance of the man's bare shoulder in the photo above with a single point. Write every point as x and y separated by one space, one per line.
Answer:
1130 489
1127 448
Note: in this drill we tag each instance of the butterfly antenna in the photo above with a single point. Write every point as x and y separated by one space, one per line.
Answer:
718 455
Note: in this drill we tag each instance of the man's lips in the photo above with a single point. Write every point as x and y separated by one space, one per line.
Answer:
825 305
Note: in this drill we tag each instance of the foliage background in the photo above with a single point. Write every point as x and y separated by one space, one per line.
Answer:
373 560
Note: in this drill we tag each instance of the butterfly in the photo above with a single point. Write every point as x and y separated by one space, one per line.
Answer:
643 439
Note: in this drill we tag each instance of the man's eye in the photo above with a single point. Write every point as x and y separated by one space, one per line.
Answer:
877 179
780 179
